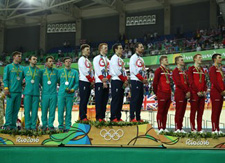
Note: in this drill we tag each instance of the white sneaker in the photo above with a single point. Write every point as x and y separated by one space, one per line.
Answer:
194 131
166 130
220 132
161 130
177 131
183 132
215 132
201 132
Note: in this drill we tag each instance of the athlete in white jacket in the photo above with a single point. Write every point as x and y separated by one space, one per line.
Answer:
118 82
102 78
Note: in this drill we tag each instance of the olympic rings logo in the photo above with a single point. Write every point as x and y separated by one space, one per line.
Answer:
111 134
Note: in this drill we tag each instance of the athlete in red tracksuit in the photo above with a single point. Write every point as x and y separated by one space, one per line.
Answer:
217 91
182 93
196 77
162 89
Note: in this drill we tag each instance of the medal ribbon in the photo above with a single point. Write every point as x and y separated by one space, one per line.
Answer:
66 75
166 72
17 70
32 74
184 75
221 72
106 63
200 73
48 76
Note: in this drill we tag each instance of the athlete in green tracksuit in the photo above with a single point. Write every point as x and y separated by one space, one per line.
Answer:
49 93
12 80
31 93
69 80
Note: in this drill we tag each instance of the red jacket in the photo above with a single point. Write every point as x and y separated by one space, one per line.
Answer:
180 80
216 79
194 77
160 83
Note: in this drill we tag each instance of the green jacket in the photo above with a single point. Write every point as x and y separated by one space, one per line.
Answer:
30 74
73 79
46 74
13 72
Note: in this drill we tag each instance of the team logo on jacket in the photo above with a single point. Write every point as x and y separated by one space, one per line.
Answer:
120 62
101 62
139 63
87 64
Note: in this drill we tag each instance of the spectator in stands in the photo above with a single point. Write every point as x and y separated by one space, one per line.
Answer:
207 47
60 54
64 44
198 48
216 46
26 60
58 64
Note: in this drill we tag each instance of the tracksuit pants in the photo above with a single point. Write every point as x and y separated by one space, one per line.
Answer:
31 104
137 92
85 91
65 102
197 106
181 103
117 91
101 99
164 101
13 103
217 104
48 104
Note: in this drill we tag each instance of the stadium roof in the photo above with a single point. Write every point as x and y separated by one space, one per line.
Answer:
30 12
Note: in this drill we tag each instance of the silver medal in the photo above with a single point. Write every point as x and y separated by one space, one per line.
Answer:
18 78
49 82
32 81
66 83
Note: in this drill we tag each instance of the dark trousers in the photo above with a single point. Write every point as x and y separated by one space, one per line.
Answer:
101 99
137 93
117 99
84 90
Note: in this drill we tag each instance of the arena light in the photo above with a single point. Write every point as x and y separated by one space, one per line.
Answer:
29 1
141 20
61 28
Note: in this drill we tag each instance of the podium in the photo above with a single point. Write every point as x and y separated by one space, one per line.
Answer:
127 135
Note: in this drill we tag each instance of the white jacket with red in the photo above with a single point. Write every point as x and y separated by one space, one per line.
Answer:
86 72
137 68
117 69
101 67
